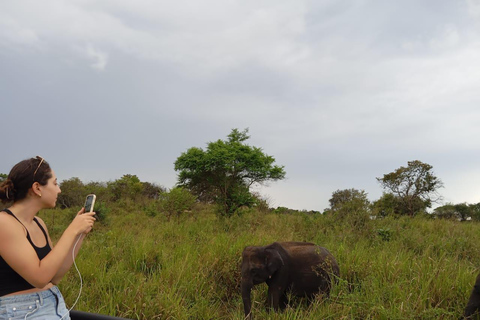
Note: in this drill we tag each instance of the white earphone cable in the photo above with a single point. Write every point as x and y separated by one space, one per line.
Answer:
80 276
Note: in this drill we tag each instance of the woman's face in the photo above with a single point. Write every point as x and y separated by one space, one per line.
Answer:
50 192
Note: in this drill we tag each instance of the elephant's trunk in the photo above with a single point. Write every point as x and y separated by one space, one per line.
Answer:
247 302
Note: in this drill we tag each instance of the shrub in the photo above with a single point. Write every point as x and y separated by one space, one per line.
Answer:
176 201
73 193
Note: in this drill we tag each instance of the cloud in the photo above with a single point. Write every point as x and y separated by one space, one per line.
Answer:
339 91
473 8
16 36
99 59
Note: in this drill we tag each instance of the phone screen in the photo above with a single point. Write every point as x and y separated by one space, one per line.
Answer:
89 203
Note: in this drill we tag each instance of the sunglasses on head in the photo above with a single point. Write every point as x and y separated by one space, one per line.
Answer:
38 167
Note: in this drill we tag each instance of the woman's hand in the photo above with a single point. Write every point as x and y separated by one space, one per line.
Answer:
83 222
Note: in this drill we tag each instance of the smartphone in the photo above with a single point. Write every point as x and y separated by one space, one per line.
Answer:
90 202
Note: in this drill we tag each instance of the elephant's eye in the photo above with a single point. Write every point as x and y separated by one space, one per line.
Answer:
257 272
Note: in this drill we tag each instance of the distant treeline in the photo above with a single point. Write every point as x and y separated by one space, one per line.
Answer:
157 199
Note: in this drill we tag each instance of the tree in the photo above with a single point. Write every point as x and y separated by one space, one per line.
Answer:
176 201
127 187
352 197
464 211
415 186
3 177
351 206
226 170
459 211
475 211
388 204
152 190
73 193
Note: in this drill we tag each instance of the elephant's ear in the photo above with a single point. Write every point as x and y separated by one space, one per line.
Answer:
273 260
476 288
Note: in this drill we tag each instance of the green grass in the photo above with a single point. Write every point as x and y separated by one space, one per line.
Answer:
140 266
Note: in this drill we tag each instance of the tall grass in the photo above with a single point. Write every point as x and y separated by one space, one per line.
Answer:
140 266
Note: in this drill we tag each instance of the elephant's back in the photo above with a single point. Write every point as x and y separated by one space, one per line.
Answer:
295 246
305 248
305 255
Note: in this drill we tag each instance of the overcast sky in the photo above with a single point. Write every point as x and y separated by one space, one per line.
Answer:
339 92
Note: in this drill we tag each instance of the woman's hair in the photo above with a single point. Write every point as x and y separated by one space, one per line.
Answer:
21 178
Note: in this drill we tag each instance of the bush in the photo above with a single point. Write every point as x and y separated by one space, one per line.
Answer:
127 187
176 201
73 193
387 205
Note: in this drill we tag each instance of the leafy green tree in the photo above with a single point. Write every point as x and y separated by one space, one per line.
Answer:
225 171
351 206
127 187
388 204
463 210
341 198
415 186
98 188
446 211
475 211
73 193
152 191
3 177
459 211
176 201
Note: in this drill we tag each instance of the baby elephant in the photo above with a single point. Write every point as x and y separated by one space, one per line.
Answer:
472 310
301 268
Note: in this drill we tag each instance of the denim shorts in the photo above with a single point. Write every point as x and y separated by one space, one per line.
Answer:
43 305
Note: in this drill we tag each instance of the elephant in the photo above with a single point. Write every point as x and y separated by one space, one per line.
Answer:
302 268
472 310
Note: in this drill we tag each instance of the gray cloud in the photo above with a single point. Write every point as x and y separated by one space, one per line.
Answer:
340 92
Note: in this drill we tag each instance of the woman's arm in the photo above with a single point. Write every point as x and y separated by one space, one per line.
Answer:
20 255
67 263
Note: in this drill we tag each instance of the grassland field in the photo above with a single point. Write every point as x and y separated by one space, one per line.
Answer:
139 265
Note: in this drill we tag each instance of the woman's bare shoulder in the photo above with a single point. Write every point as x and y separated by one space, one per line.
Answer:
10 228
6 218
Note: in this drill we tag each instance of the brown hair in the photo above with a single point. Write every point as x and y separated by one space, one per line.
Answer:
21 178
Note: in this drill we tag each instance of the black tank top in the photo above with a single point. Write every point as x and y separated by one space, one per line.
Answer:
11 281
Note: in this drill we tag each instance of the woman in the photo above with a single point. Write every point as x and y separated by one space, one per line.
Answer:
30 266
